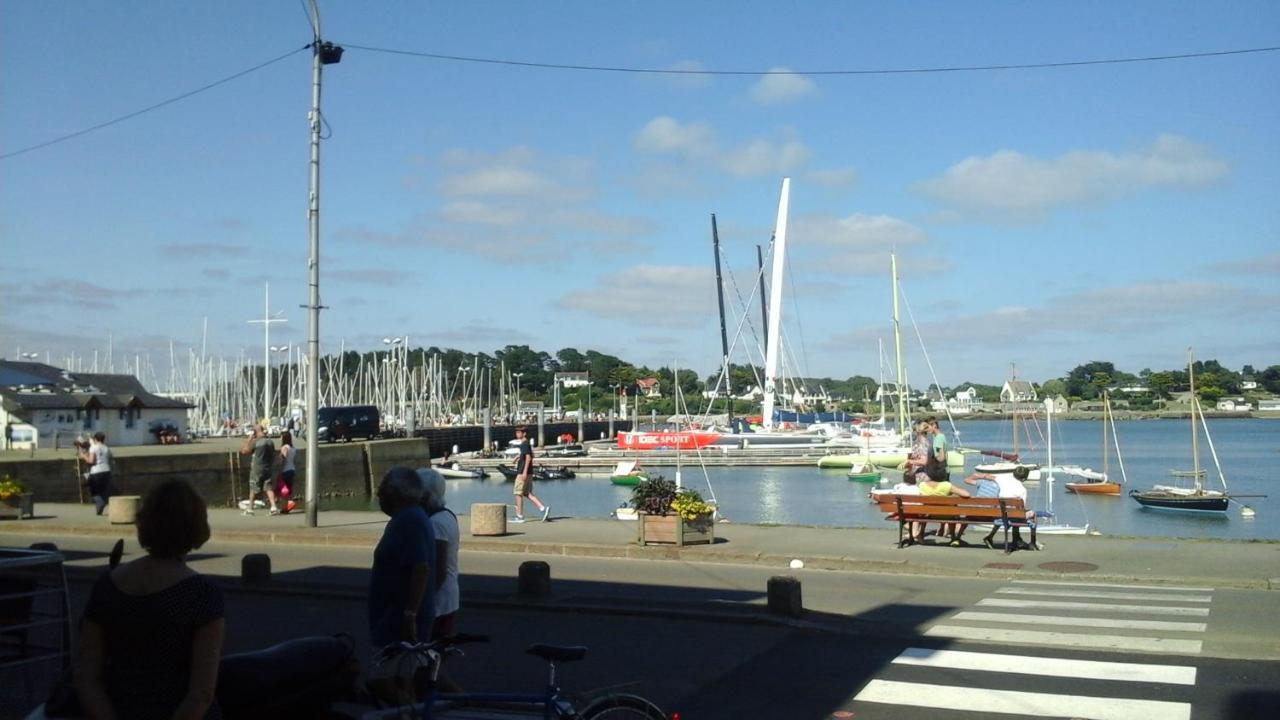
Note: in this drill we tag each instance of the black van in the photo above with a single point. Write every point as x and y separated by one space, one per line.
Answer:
348 422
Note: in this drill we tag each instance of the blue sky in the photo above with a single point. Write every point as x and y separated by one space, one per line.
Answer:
1044 217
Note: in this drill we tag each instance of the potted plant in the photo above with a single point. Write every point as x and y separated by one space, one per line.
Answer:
15 501
668 514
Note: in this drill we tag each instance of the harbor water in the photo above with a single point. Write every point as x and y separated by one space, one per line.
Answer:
1249 450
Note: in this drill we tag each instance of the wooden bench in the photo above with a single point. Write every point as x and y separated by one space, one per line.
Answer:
906 509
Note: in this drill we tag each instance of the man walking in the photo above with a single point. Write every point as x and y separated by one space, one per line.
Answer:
262 454
524 479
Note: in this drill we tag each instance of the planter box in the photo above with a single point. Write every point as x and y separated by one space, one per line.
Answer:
17 508
673 530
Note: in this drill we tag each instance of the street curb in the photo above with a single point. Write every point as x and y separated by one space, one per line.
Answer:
631 551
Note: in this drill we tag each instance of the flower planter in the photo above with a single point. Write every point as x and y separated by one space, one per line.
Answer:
17 507
674 530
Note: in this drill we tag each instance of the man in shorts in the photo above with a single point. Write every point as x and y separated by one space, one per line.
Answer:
262 455
524 479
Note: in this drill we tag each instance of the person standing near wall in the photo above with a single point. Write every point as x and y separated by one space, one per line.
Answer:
8 436
98 457
262 457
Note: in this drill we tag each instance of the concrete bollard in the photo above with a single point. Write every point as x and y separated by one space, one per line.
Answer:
123 509
535 580
488 519
255 568
784 596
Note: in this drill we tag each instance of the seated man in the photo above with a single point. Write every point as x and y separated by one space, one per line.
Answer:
909 486
1003 485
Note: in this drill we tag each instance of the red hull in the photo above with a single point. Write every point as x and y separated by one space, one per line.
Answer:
678 440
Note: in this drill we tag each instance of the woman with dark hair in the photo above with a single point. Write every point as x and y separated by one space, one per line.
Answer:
152 631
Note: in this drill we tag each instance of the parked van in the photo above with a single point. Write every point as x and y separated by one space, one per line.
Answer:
347 423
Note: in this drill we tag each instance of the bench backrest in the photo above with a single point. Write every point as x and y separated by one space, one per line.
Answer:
928 506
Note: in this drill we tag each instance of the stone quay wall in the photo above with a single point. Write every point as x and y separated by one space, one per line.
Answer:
221 477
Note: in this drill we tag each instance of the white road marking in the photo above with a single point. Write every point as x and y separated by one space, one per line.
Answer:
1037 637
1048 667
1021 703
1112 585
1097 607
1106 595
1015 618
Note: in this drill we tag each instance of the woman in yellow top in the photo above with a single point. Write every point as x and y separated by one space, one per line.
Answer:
934 488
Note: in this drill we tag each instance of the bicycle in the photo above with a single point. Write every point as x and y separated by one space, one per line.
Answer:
551 704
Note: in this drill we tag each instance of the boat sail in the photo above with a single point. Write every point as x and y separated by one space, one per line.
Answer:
1197 498
1100 483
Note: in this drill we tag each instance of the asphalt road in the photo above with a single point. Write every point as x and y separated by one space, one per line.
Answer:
694 637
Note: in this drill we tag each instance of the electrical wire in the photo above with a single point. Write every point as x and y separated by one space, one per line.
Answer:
868 71
149 108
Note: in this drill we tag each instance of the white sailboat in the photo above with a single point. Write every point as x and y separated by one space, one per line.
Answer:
1050 525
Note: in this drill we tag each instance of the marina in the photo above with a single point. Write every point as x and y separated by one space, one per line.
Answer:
799 493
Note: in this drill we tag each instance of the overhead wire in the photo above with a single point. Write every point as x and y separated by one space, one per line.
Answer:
149 108
865 71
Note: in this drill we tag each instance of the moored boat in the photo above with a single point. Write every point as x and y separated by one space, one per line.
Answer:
1195 498
864 473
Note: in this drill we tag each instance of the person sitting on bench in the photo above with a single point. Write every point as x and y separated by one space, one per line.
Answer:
937 485
1004 485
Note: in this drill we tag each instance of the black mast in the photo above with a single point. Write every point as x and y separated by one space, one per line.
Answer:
764 305
724 336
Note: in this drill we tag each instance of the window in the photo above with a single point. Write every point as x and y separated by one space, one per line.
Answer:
130 415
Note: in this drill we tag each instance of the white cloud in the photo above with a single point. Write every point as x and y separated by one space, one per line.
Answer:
1011 185
762 157
503 180
667 136
777 89
860 244
1262 265
689 76
649 295
696 143
833 177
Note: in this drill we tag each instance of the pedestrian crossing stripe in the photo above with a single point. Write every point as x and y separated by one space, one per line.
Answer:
1105 595
1113 585
1048 667
1126 643
1125 624
1095 607
948 697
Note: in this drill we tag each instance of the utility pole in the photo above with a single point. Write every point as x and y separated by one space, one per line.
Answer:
322 53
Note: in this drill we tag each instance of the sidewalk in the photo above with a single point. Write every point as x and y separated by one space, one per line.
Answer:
1239 564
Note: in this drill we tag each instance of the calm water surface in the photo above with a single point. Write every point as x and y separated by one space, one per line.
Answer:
1248 449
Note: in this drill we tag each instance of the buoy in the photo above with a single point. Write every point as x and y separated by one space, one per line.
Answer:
797 564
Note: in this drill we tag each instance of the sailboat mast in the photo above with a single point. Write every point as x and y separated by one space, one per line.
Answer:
1106 418
775 305
901 414
724 335
1195 433
764 304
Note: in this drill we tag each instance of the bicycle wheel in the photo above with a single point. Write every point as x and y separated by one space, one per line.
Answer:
622 707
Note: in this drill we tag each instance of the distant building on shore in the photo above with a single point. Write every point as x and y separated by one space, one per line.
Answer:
63 405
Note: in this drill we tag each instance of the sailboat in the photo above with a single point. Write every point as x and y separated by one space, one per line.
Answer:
1049 524
1100 483
885 454
1196 498
1010 461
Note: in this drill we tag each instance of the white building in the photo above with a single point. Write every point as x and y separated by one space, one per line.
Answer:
65 405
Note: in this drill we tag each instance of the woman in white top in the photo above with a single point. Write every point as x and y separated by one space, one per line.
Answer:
284 482
444 525
98 457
